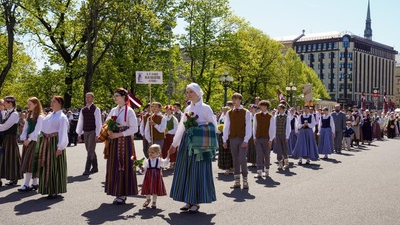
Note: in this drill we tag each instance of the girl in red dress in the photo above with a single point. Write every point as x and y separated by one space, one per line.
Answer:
153 183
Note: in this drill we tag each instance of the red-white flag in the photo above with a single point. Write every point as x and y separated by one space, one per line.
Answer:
280 95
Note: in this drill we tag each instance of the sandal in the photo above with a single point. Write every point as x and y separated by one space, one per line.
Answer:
194 209
146 203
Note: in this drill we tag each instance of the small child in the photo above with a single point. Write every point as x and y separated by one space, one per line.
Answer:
153 183
348 134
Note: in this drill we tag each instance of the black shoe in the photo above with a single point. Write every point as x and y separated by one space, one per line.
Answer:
94 170
1 183
86 173
24 189
34 187
12 182
52 196
186 207
119 201
194 209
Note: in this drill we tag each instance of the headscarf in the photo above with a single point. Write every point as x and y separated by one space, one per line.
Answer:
196 88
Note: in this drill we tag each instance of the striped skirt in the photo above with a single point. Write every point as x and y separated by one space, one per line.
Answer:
193 181
29 157
120 177
251 152
153 183
52 169
225 161
11 164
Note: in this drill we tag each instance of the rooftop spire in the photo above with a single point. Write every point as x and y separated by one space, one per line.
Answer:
368 29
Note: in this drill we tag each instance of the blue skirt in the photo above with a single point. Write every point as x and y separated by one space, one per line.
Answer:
292 141
193 181
306 147
325 143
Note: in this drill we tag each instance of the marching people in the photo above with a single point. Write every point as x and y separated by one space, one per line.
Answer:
327 133
348 133
145 117
263 137
155 126
367 128
171 127
11 164
376 129
251 150
225 161
293 130
340 123
177 111
356 125
29 136
280 131
89 124
238 129
120 177
306 146
193 181
52 162
391 126
153 183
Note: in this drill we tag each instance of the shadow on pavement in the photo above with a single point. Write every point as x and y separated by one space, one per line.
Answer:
331 160
311 166
16 196
267 182
225 177
36 205
187 218
147 213
239 195
107 213
79 178
346 154
168 172
287 172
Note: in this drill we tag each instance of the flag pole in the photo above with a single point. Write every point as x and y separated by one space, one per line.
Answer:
151 126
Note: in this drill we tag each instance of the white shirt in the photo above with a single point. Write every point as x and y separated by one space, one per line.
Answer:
12 119
142 127
159 127
97 118
332 123
162 163
205 114
130 122
272 126
227 123
171 117
57 123
38 128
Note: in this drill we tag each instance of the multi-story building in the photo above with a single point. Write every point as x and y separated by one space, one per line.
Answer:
397 82
347 64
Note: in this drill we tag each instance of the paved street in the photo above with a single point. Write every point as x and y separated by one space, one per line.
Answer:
357 187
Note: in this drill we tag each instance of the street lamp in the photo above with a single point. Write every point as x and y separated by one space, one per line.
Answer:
290 90
226 81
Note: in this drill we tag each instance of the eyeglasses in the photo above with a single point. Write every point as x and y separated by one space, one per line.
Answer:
115 96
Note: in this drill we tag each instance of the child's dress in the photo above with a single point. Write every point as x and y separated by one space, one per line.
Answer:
153 183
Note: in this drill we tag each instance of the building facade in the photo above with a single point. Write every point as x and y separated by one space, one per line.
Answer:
397 82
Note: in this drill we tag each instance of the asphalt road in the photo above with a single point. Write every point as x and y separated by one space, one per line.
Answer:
356 187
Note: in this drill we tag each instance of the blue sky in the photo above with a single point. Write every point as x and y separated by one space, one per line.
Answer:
279 18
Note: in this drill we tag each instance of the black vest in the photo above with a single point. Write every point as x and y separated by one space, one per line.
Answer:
13 129
326 123
89 121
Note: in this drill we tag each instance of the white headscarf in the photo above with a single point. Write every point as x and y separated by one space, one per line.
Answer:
196 88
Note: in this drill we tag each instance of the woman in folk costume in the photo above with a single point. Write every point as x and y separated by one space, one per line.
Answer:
225 161
172 126
10 167
196 137
326 129
376 129
367 128
306 146
52 161
120 177
293 130
29 136
251 148
356 125
391 126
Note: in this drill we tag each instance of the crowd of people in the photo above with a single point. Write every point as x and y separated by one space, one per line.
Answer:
185 142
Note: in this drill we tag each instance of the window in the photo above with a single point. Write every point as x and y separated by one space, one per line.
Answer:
329 46
341 65
331 65
304 48
335 45
314 47
319 47
332 55
324 46
309 48
341 55
350 55
350 66
321 76
299 48
321 56
331 76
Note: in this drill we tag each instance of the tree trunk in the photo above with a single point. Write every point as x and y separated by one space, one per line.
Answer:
9 17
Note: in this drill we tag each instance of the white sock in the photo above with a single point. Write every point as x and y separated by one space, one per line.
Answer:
154 198
35 181
148 197
28 177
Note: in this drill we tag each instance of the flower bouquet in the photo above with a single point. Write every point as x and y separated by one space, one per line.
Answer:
137 163
191 120
110 125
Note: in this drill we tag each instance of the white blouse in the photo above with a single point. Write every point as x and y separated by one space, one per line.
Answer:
130 122
57 123
38 128
12 119
162 163
205 114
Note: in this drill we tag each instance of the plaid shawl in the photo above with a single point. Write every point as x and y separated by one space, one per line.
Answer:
203 141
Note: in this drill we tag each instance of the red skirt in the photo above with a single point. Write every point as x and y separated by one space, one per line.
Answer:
153 183
167 143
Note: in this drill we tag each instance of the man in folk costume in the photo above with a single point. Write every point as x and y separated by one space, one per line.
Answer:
171 127
89 123
357 118
145 118
280 135
155 126
237 128
177 111
340 124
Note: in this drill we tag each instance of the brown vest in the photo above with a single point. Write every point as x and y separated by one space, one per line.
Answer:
145 118
238 123
157 135
263 122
